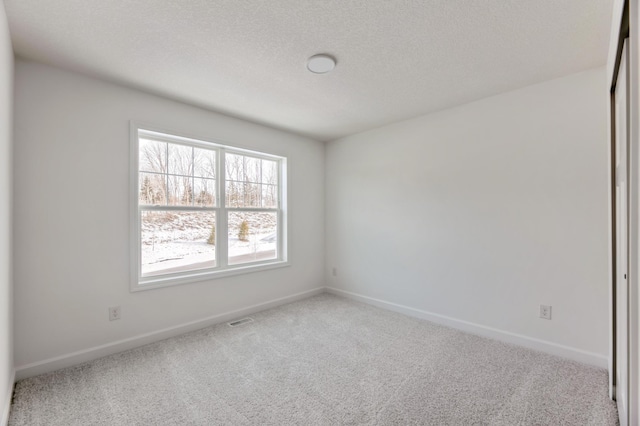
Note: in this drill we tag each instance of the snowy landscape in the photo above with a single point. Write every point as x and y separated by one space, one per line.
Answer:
182 235
177 241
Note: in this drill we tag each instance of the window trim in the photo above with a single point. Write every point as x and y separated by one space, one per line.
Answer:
222 269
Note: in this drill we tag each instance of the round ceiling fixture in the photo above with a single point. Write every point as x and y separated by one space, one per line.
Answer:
320 64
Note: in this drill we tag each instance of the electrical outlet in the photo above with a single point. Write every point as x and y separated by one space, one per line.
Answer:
114 313
334 271
545 312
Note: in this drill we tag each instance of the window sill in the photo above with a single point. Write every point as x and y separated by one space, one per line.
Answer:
151 283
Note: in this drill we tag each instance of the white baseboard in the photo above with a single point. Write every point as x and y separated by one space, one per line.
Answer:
6 404
79 357
568 352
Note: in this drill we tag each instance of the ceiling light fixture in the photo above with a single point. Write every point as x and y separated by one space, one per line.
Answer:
321 64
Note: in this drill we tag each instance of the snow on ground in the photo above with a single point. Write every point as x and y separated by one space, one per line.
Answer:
177 241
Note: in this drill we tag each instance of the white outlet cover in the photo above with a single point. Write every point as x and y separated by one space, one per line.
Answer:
545 312
114 313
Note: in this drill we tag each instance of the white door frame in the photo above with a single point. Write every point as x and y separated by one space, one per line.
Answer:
626 20
634 212
620 291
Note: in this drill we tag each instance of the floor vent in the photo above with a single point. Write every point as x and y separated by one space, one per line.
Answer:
240 322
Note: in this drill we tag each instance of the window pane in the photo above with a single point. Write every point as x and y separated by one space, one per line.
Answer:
251 182
269 196
152 156
180 159
204 163
252 195
253 236
180 190
176 241
252 169
234 193
234 167
152 189
243 194
269 172
204 192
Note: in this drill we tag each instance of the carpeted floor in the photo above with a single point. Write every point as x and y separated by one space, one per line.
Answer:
321 361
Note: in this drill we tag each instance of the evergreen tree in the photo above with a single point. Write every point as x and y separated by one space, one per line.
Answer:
243 234
212 236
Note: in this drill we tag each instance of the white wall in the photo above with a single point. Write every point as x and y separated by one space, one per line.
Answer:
480 213
483 212
72 215
6 122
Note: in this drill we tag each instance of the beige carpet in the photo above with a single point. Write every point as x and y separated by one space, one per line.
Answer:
321 361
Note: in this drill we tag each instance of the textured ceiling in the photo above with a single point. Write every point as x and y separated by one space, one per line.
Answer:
397 59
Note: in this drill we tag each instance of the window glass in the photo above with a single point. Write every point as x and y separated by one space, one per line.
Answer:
253 236
251 182
152 156
189 222
175 241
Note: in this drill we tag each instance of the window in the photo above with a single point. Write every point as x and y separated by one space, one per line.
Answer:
202 210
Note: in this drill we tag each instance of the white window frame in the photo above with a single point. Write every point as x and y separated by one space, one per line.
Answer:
222 269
